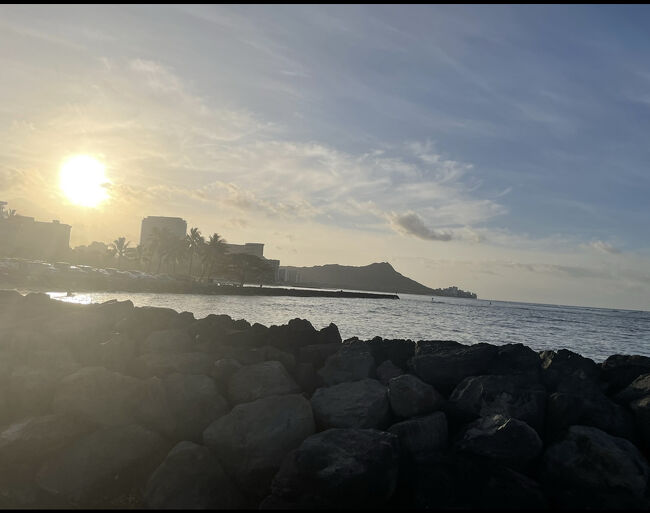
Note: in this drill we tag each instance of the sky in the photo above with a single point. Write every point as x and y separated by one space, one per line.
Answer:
501 149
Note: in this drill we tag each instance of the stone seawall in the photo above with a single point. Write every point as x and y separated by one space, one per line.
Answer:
113 406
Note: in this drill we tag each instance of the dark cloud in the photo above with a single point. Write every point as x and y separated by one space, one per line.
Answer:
412 224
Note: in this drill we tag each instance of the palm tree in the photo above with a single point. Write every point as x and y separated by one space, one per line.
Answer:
214 252
119 247
195 242
249 267
175 251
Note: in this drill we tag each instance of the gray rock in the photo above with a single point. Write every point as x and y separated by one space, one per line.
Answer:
161 364
191 477
223 369
252 440
505 440
410 396
641 410
568 368
117 353
639 388
195 402
30 391
347 365
620 370
167 341
511 396
102 465
152 409
422 437
360 404
306 377
590 459
387 371
316 354
264 379
146 319
339 468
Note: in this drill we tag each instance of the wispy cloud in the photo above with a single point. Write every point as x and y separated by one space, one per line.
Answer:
604 247
412 224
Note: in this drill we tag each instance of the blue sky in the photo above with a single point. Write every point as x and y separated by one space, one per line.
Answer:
503 149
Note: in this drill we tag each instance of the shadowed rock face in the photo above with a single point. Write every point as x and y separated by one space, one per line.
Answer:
339 468
421 437
253 382
410 396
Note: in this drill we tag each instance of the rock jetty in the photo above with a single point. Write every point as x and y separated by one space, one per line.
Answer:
113 406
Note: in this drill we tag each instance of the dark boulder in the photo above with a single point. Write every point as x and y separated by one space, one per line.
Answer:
329 335
191 477
223 370
398 351
167 341
103 465
339 468
252 440
160 364
359 404
146 319
117 354
410 396
504 440
195 402
253 382
589 466
639 388
387 371
512 396
348 364
422 437
566 368
307 379
316 354
641 410
620 370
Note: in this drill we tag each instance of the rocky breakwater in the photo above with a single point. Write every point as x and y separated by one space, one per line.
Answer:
114 406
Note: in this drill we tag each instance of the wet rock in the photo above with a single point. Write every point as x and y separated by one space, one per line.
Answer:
620 370
195 402
167 341
340 468
512 396
253 382
252 440
347 365
410 396
191 477
161 364
588 461
102 465
444 364
223 370
597 410
505 440
422 437
387 371
360 404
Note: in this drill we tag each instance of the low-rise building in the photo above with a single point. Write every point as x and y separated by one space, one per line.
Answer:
25 237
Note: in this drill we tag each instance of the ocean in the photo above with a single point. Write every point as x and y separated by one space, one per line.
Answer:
593 332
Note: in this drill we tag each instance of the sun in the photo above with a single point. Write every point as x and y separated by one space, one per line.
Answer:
83 181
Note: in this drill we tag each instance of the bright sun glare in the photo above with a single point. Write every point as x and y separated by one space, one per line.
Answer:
83 181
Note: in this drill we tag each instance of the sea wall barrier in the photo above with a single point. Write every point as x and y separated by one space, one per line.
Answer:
115 406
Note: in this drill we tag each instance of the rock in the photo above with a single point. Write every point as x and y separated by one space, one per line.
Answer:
590 462
340 468
620 370
98 395
421 437
151 407
195 402
274 354
30 392
512 396
210 330
161 364
223 370
505 440
639 388
102 465
306 377
191 477
292 336
329 335
316 354
253 382
564 410
397 351
410 396
117 354
252 440
30 441
444 364
114 311
517 359
167 341
641 410
346 366
146 319
387 371
360 404
565 366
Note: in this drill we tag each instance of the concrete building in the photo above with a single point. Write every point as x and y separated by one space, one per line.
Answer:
22 236
250 248
288 275
174 225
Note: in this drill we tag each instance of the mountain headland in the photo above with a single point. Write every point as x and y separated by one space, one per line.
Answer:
380 277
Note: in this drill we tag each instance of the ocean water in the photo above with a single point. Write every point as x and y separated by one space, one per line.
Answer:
593 332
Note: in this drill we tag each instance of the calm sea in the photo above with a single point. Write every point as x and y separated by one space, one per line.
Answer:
592 332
